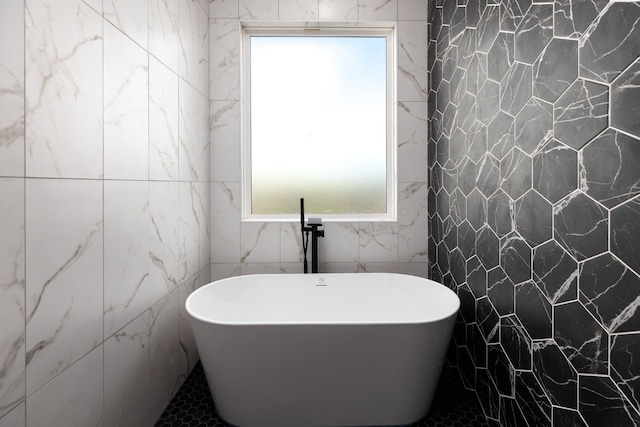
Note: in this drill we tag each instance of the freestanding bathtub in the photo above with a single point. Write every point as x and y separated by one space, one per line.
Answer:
296 350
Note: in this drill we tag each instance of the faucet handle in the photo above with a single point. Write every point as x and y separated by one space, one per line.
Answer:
314 221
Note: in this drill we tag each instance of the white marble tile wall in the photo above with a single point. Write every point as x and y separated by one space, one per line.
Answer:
243 248
104 185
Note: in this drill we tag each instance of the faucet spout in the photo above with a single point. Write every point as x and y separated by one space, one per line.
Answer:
313 226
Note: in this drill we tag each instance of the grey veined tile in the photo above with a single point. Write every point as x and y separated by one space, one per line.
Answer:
625 100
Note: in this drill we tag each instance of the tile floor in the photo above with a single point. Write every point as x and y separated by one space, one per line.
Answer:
453 406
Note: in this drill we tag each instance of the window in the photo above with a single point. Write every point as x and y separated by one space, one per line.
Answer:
318 122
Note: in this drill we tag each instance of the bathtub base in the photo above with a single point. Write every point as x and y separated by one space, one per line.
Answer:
323 375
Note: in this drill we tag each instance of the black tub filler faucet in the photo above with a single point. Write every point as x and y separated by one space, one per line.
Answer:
314 226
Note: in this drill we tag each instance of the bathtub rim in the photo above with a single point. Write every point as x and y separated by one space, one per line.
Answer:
430 282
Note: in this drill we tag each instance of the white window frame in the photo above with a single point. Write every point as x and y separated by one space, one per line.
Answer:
330 29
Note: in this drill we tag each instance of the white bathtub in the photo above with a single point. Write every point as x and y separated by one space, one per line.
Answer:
297 350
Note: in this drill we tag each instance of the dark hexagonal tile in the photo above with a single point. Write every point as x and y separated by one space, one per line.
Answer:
611 292
458 206
515 88
458 266
534 310
488 394
457 86
488 320
515 258
488 247
476 277
468 105
534 32
625 367
488 101
555 171
580 226
534 125
500 213
488 175
449 119
449 62
467 172
602 404
450 176
581 338
476 72
442 205
501 134
567 418
609 168
488 28
473 12
477 141
501 54
510 412
556 69
477 346
625 100
516 342
515 171
512 13
476 209
457 145
581 113
555 272
613 44
466 48
533 400
625 233
501 290
533 218
572 17
555 373
450 233
501 369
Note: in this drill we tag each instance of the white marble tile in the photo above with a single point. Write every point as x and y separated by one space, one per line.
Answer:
74 398
222 271
64 291
412 10
187 341
95 5
378 267
378 242
341 10
224 123
163 32
223 9
188 231
126 375
259 242
202 82
412 222
12 88
163 120
338 267
378 10
193 134
126 106
203 205
340 244
259 9
126 252
225 59
412 61
260 268
298 10
167 362
419 269
291 243
225 222
188 47
412 141
63 89
15 418
131 17
12 291
163 239
292 268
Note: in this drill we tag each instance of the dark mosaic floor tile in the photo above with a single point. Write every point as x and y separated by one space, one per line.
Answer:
613 44
534 125
515 88
534 404
488 28
500 213
555 171
534 33
501 369
533 218
555 272
515 258
625 100
534 311
602 404
501 54
625 233
625 366
581 113
515 173
476 277
580 225
555 373
453 406
571 18
609 168
516 342
501 290
555 70
581 338
488 247
611 292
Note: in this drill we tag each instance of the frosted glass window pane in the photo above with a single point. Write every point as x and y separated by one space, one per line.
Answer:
318 124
